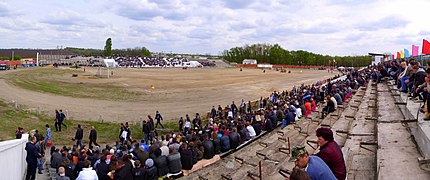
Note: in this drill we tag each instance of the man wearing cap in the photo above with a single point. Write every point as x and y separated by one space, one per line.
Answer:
313 165
331 153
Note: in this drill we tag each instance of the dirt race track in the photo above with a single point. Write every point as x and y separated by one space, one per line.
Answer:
176 91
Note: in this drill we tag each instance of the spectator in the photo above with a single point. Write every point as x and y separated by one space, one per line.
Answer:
87 172
225 141
186 157
78 136
209 148
315 166
48 137
161 163
299 174
62 174
216 142
93 136
174 161
102 168
19 132
139 171
331 153
159 118
31 159
151 170
122 172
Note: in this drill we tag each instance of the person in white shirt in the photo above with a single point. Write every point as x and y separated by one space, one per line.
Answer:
87 172
251 130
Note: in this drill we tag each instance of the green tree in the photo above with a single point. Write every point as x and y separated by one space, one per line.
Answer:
108 47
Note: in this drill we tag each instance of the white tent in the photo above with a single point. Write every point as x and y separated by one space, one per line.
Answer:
249 61
192 64
110 63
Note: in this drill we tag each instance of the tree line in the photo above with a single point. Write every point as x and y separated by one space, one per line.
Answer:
137 51
275 54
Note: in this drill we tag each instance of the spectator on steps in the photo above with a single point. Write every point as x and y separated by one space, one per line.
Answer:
331 153
316 168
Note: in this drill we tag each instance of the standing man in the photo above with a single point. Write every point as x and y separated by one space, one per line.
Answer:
62 117
57 120
93 136
181 124
78 136
146 129
159 118
31 159
233 108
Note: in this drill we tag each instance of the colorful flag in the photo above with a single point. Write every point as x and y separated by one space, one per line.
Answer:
415 50
426 47
392 57
398 55
402 54
406 53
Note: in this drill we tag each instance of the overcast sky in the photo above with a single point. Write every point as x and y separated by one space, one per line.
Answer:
334 27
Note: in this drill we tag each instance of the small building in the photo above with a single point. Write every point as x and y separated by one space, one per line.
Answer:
377 57
249 61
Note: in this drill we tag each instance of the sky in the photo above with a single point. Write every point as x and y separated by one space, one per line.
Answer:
332 27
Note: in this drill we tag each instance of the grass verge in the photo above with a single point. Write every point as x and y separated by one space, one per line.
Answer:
51 80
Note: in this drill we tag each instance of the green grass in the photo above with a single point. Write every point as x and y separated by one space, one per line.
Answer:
46 80
11 119
107 132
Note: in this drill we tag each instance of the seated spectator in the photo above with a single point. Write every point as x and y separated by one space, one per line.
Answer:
234 139
174 161
330 107
315 166
186 157
87 172
257 126
208 146
225 142
216 142
299 174
250 129
139 171
331 153
161 163
338 98
122 171
62 174
151 170
102 168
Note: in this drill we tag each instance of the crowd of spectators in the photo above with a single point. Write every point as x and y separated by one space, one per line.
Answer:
176 153
138 61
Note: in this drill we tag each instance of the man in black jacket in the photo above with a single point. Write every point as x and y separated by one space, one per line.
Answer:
209 148
78 136
93 136
146 129
32 155
234 139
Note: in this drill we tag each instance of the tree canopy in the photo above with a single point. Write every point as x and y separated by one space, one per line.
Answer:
108 47
275 54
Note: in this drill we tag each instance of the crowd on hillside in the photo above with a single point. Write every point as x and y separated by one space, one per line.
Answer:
138 61
176 153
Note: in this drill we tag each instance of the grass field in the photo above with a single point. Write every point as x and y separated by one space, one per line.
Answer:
11 119
53 81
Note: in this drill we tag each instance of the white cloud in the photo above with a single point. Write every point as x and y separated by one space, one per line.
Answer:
336 27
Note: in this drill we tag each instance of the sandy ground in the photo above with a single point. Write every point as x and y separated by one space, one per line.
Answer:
177 92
